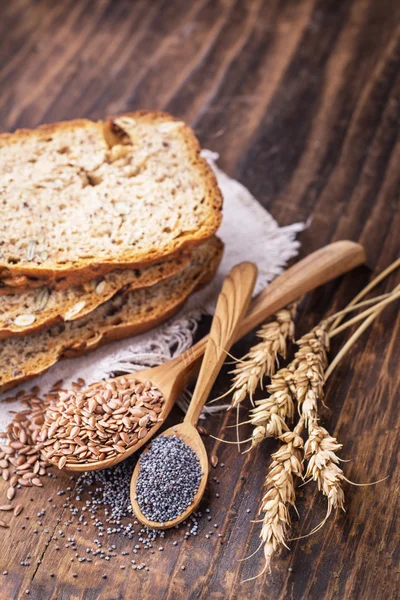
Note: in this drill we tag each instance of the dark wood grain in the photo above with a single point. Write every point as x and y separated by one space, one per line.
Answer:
301 98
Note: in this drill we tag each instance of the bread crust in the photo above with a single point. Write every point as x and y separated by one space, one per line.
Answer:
17 284
23 274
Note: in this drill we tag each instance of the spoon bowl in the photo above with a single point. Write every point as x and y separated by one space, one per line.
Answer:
170 378
191 437
169 381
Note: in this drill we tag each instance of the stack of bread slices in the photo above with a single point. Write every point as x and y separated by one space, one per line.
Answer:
106 228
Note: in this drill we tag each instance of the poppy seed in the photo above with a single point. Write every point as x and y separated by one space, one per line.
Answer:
169 477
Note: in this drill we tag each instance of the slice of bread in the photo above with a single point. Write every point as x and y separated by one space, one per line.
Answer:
79 199
37 309
122 316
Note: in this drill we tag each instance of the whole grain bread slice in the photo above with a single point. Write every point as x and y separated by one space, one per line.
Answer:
79 199
23 358
37 309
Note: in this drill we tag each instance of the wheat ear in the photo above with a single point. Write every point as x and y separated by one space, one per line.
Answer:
320 447
262 359
323 465
304 380
269 415
301 380
280 492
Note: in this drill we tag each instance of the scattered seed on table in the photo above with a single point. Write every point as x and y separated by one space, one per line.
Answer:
109 494
201 430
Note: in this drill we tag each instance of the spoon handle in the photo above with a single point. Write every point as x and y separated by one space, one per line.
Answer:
232 305
310 272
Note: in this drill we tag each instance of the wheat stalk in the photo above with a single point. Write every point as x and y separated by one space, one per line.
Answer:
310 363
270 414
302 380
323 466
262 359
280 492
321 447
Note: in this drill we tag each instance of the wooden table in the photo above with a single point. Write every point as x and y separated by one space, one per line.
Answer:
301 98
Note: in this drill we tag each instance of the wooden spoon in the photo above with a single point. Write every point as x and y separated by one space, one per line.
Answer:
232 304
170 378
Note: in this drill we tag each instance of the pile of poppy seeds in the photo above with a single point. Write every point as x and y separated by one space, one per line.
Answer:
169 477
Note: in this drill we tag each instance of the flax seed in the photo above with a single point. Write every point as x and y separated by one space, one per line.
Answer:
109 417
214 460
62 462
